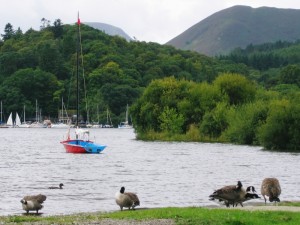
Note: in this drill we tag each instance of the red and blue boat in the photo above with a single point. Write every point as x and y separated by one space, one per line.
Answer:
81 143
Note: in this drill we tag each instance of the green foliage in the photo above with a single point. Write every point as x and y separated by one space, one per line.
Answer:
8 32
160 95
170 109
214 122
28 85
282 128
244 121
171 121
238 88
290 75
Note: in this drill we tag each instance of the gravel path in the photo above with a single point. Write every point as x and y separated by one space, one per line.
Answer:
108 222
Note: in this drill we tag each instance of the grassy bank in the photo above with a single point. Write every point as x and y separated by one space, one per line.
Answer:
182 216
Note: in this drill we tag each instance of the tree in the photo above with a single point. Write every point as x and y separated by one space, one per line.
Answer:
171 121
290 75
29 85
44 23
282 128
57 28
8 32
244 121
214 122
237 87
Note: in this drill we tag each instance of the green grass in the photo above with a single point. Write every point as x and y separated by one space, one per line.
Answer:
182 216
285 203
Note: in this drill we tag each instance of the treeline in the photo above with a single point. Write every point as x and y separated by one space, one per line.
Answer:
277 62
231 109
40 65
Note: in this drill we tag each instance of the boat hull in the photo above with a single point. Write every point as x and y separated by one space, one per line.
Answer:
82 147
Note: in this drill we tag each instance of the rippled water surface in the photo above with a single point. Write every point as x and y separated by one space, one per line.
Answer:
161 173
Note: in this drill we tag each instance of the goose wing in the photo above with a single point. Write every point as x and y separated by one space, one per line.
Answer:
133 197
39 198
229 192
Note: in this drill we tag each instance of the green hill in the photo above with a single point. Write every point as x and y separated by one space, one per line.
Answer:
239 26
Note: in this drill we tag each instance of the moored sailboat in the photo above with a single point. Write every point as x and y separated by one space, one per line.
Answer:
125 124
10 122
24 124
81 143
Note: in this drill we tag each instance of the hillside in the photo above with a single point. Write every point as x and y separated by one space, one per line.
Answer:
109 29
239 26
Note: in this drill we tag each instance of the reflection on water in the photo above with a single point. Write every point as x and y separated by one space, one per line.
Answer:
162 174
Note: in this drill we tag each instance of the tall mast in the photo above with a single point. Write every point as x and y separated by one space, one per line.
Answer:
77 69
24 115
1 111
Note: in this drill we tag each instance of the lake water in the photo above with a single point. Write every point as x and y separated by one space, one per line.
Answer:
161 173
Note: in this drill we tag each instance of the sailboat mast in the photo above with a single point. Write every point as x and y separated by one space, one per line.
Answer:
77 70
1 111
24 115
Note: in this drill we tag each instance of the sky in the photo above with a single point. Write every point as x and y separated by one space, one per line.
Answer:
146 20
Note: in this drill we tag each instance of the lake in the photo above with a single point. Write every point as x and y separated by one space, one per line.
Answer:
161 173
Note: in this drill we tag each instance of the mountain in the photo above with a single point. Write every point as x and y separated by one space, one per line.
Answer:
109 29
239 26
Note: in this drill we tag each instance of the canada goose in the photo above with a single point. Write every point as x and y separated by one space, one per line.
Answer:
247 197
270 187
33 203
59 187
233 194
126 199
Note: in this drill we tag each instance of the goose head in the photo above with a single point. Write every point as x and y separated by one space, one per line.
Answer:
122 190
251 188
272 199
61 185
239 185
23 201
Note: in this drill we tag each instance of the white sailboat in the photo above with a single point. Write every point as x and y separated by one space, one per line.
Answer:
10 122
37 123
18 121
125 124
64 121
108 121
23 124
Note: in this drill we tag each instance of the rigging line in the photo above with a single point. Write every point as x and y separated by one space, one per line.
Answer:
84 84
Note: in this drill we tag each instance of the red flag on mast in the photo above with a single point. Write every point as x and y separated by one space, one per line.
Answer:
78 21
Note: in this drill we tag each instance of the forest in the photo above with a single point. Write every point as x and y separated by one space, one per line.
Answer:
250 96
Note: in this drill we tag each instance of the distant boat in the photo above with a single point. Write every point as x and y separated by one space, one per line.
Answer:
125 124
81 142
37 123
108 121
62 118
10 122
18 121
24 124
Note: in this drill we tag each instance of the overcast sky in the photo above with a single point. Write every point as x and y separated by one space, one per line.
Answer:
147 20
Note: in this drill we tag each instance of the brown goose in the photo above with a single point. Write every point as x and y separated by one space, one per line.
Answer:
126 199
247 197
233 194
33 203
59 187
270 187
